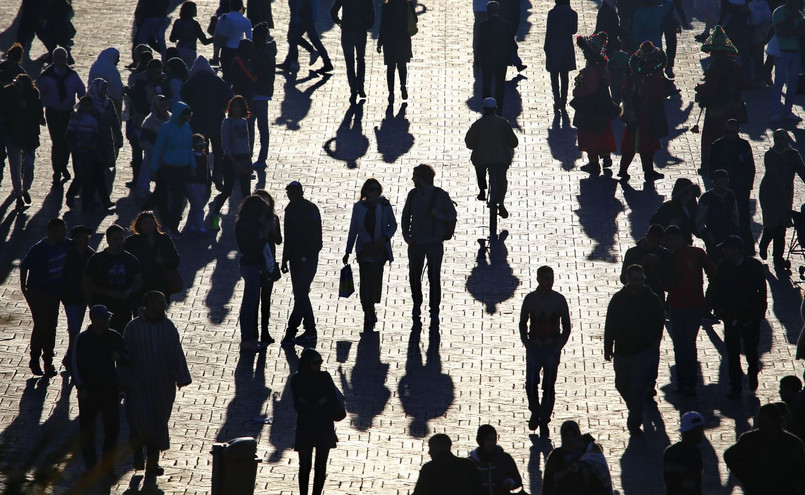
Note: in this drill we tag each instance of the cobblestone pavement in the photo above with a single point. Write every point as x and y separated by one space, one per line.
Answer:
401 388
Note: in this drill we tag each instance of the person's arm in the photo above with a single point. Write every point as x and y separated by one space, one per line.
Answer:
170 256
609 327
524 316
406 218
226 134
799 166
288 242
159 145
472 136
511 138
80 89
390 228
200 35
699 222
24 281
564 337
174 35
353 232
334 11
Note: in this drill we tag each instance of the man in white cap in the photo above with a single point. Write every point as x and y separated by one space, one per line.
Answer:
682 463
492 141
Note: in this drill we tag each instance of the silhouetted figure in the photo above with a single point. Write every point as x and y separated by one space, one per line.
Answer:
717 214
577 466
357 17
72 296
394 40
446 474
560 56
493 53
682 463
497 470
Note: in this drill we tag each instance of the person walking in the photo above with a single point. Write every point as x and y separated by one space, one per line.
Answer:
634 326
251 233
650 254
72 295
394 40
578 465
157 367
237 156
264 65
495 48
303 242
98 353
110 139
231 27
370 231
781 163
160 114
680 210
428 219
82 135
41 276
357 17
21 115
105 67
144 87
272 272
496 468
59 86
549 331
717 214
739 300
186 33
318 405
304 15
199 187
150 23
560 55
492 141
445 473
154 250
788 24
682 464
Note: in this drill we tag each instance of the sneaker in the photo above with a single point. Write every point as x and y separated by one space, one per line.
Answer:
533 422
50 370
776 117
35 368
654 175
26 197
481 195
502 211
252 346
314 56
361 93
216 222
306 338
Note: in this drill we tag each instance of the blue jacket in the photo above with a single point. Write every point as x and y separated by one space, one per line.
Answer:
174 146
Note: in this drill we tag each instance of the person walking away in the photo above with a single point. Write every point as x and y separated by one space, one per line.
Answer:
788 23
357 17
680 210
110 139
41 276
251 234
150 23
445 473
739 300
682 464
99 352
72 295
655 259
317 404
230 29
237 155
10 68
154 250
717 214
186 33
21 114
394 40
264 65
175 75
578 465
304 15
157 368
105 67
428 219
160 114
199 186
492 141
370 231
303 242
634 326
593 103
271 273
82 135
496 468
560 56
495 49
546 311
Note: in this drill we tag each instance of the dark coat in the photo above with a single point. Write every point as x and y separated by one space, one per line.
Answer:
314 421
740 291
777 186
264 65
208 95
510 11
736 158
607 21
153 277
356 15
21 117
495 42
447 474
394 36
560 54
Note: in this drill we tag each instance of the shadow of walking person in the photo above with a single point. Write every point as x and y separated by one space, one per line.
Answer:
492 279
245 413
17 453
598 210
539 450
562 141
642 205
787 301
425 392
296 104
349 143
281 435
393 136
366 394
636 473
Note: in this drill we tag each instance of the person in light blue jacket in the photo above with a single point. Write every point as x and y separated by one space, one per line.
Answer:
171 162
372 227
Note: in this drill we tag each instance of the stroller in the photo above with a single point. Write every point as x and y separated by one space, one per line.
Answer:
797 243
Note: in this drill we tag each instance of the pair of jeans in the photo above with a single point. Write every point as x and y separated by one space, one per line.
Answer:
559 84
494 74
250 301
45 314
230 177
302 274
296 31
685 323
21 169
354 45
786 71
152 27
197 195
266 286
57 121
777 235
501 182
633 375
104 403
417 254
545 360
306 462
260 115
170 194
371 289
735 334
75 319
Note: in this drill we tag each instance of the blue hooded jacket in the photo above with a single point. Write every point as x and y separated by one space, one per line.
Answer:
174 146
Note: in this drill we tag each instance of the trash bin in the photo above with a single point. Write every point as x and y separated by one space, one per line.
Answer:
234 466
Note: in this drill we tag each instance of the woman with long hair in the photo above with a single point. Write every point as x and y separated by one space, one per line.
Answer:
271 273
22 115
395 42
154 250
251 233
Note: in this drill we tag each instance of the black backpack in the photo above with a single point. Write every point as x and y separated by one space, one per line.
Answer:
450 225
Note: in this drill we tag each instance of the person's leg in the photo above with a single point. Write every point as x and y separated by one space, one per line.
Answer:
744 220
308 318
402 69
390 68
315 40
487 76
320 473
794 66
248 305
685 324
360 57
75 318
641 375
750 334
670 46
732 340
57 121
226 191
557 98
111 428
28 158
623 371
162 195
348 41
260 109
480 175
500 86
550 361
88 409
365 290
647 160
15 169
99 183
778 246
217 156
564 79
50 315
501 182
416 263
780 78
266 286
434 254
245 182
305 464
195 217
532 369
177 195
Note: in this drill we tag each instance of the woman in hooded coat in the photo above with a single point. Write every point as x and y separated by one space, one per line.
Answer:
105 67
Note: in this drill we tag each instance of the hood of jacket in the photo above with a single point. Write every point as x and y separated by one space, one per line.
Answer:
105 67
177 109
200 65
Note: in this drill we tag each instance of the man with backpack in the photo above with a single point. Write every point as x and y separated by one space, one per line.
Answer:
428 219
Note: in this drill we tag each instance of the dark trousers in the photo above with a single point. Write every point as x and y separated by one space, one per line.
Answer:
402 68
559 91
494 74
501 182
299 29
302 274
633 376
748 334
170 194
670 45
306 462
230 178
57 121
545 360
417 254
371 280
354 45
744 220
105 403
685 324
45 313
90 177
227 55
266 286
776 234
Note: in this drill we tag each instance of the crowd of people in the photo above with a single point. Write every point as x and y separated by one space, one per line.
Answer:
192 131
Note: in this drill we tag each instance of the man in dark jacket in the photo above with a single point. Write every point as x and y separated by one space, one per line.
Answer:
740 302
734 154
357 17
302 245
446 474
497 470
634 326
493 53
264 64
652 256
717 214
492 142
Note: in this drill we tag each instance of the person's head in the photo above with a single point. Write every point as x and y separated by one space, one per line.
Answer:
235 5
781 138
790 386
98 87
439 444
115 237
181 113
59 57
731 128
15 53
144 57
492 8
423 176
57 230
24 85
85 104
237 108
153 71
253 208
769 418
489 106
544 278
199 143
171 52
99 315
721 180
162 105
176 69
265 196
145 223
188 10
80 235
294 191
155 304
371 189
570 433
487 438
245 49
732 247
654 235
260 33
692 427
682 190
310 361
635 276
673 238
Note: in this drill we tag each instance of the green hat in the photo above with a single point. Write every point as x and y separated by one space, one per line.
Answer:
719 42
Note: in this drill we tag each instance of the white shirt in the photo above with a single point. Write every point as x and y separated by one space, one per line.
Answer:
233 26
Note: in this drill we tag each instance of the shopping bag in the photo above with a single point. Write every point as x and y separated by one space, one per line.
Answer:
346 287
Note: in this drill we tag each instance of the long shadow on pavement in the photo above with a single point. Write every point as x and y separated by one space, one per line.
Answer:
492 279
283 427
349 144
245 413
296 103
366 393
597 212
394 138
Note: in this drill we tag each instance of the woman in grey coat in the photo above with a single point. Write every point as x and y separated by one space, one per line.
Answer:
372 226
560 55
